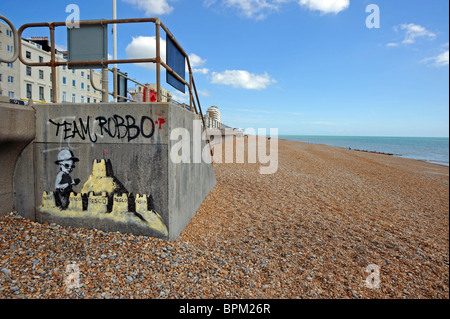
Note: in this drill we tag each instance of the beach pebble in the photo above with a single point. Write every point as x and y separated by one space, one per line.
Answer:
5 271
308 231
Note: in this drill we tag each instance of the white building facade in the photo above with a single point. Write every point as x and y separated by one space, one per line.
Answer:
9 72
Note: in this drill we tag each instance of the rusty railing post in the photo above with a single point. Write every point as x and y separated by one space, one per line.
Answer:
105 88
158 60
53 61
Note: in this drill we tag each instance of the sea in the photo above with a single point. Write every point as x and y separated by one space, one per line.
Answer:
429 149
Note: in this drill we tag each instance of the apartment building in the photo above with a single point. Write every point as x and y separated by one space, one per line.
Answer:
76 87
9 72
20 81
214 113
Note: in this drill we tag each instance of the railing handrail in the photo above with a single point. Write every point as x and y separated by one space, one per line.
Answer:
53 63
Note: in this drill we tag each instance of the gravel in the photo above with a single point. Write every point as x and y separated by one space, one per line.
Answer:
308 231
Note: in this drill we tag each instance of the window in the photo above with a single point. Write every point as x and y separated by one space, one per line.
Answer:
0 77
95 100
89 99
9 33
29 70
64 96
41 93
41 74
11 94
74 83
88 88
41 59
64 80
82 99
51 94
82 73
64 67
10 48
73 97
73 71
11 65
29 93
28 54
88 77
82 85
10 79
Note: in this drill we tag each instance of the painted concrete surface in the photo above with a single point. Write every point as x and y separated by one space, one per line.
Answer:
108 166
17 129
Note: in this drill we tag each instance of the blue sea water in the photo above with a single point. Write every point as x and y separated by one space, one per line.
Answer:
430 149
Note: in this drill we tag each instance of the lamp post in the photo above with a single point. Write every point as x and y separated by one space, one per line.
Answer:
115 49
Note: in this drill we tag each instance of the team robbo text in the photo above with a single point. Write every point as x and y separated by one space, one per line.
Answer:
115 126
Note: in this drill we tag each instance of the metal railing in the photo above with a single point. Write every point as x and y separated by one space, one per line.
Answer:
193 95
53 64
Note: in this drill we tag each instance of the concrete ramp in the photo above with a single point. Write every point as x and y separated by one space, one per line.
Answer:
108 166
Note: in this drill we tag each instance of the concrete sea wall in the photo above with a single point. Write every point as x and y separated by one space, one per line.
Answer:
108 166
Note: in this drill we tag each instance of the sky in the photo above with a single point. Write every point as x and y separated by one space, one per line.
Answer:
305 67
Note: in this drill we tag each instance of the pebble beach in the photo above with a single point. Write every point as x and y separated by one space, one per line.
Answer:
331 223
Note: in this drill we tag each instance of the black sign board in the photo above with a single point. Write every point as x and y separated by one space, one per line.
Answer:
177 62
122 86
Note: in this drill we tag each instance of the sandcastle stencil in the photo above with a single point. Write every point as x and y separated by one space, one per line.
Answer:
102 196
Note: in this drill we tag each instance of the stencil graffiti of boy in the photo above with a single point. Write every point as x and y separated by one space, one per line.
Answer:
64 182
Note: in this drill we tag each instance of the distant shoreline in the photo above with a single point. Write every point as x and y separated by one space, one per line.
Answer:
373 151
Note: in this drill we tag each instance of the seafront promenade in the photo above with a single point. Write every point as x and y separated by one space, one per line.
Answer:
311 230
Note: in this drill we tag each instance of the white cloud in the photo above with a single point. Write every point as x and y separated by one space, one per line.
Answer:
260 9
145 47
61 47
325 6
439 60
201 70
392 44
203 93
254 9
242 79
195 60
414 31
208 3
152 7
